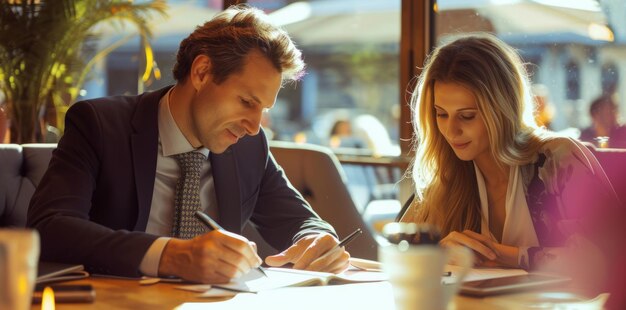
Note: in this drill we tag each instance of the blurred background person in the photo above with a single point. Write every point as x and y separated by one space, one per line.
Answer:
341 135
604 124
373 132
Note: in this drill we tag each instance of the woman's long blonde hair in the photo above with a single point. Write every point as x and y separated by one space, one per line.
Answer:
446 190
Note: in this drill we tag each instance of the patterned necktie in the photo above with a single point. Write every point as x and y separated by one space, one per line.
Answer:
187 199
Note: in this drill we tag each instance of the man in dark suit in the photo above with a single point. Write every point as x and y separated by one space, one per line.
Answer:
111 199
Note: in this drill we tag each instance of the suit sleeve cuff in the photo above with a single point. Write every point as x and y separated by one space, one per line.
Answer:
150 263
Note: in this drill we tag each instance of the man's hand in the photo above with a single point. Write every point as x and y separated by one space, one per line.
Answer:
313 252
214 257
487 252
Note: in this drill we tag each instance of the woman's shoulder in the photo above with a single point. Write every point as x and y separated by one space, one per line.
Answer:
564 146
566 150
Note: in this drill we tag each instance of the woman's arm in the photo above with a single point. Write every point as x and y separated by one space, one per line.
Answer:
581 193
488 253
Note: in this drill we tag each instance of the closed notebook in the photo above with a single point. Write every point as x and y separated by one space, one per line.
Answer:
254 281
55 272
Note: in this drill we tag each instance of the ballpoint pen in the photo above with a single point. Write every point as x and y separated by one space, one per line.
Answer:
345 241
349 238
210 223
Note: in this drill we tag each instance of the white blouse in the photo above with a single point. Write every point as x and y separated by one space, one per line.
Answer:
518 227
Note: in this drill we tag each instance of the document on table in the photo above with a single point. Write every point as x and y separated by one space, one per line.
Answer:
370 295
254 281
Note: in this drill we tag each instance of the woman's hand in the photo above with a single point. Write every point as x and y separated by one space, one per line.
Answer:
488 253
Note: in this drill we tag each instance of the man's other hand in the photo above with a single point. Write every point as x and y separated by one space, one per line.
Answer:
315 253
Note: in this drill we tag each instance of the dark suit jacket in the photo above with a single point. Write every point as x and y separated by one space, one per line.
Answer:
92 205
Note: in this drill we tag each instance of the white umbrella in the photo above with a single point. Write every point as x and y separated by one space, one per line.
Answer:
550 20
336 22
378 21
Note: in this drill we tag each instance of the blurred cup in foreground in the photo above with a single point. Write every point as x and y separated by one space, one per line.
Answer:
19 254
415 270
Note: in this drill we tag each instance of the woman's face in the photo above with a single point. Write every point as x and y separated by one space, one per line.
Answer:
459 121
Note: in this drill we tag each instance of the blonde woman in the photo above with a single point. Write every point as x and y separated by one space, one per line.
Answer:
484 172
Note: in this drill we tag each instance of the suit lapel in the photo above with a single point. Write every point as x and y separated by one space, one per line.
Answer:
226 180
144 145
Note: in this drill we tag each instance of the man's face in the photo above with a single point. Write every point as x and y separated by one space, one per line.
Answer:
222 114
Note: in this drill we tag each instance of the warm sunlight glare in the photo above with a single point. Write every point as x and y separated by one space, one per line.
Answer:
600 32
293 13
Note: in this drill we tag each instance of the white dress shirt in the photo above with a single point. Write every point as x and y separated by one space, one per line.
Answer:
172 142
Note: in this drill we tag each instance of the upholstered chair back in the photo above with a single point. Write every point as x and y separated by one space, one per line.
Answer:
21 169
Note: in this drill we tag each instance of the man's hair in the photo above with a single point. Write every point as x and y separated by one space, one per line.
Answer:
230 36
494 73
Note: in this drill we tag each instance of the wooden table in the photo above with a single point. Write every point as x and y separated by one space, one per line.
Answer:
128 294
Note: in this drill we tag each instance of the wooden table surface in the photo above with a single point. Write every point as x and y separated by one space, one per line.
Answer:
114 293
128 294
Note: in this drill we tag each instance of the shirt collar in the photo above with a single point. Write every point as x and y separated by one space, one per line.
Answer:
172 139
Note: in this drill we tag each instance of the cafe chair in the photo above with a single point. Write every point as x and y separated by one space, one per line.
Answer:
21 169
316 172
613 161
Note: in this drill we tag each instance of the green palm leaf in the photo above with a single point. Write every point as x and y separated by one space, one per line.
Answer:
43 42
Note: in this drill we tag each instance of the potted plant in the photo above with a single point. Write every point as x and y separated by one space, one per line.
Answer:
42 51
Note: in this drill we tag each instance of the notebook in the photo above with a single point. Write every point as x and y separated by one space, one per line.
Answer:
254 281
55 272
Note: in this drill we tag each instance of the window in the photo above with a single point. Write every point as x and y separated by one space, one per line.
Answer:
572 81
564 45
351 48
122 71
609 78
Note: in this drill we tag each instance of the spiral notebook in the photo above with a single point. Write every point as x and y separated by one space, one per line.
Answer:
56 272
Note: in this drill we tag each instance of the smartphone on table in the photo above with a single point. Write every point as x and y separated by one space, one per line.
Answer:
511 284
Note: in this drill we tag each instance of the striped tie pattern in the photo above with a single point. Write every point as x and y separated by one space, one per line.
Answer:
187 198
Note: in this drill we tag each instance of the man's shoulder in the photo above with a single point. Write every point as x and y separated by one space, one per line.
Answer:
119 103
139 112
111 103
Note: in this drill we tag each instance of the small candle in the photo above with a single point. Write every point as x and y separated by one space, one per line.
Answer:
47 300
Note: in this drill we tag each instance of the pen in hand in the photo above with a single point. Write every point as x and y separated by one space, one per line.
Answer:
343 242
346 240
213 225
349 238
